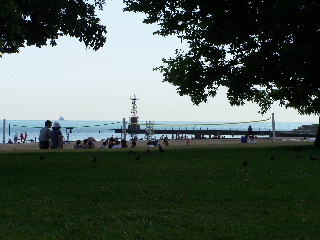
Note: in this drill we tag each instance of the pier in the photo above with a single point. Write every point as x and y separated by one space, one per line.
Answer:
150 129
212 133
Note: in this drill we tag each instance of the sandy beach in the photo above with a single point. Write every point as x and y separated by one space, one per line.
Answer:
172 143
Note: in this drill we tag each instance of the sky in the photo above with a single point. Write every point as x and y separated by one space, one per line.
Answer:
81 84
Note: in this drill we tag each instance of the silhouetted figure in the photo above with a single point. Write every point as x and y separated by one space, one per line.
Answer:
94 159
272 158
133 143
148 151
245 163
45 135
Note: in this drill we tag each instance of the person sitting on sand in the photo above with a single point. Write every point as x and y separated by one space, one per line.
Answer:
84 143
77 145
251 140
117 145
91 141
56 136
124 144
111 142
45 135
10 141
104 145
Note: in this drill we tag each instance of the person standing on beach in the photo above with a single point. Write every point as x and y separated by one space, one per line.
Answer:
21 137
45 135
56 136
25 137
15 138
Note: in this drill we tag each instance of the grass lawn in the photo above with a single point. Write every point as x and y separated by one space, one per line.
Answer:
184 193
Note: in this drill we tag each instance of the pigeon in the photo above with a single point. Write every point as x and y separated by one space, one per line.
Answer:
148 151
298 149
272 157
42 157
94 159
245 163
138 157
313 158
131 152
161 149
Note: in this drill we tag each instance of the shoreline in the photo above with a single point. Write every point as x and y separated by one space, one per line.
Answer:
172 143
82 129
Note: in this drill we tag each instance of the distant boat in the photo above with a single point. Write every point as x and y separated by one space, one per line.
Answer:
61 118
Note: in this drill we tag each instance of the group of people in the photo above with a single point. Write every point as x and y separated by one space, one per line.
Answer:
113 143
108 143
53 136
85 144
23 138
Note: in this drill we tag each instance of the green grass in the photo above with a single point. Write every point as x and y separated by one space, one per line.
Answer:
186 193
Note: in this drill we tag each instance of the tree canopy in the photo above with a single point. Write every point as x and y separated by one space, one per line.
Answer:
37 22
263 51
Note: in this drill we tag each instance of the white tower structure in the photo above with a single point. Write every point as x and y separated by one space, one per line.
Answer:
134 119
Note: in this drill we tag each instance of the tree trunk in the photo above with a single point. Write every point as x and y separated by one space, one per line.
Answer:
317 141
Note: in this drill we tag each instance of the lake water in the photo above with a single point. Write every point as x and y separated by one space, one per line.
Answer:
103 129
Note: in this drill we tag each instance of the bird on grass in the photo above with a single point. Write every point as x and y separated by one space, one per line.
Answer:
94 159
148 151
245 163
138 157
297 149
312 158
161 149
42 157
131 152
272 158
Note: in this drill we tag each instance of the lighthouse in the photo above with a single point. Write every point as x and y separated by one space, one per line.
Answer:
134 119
